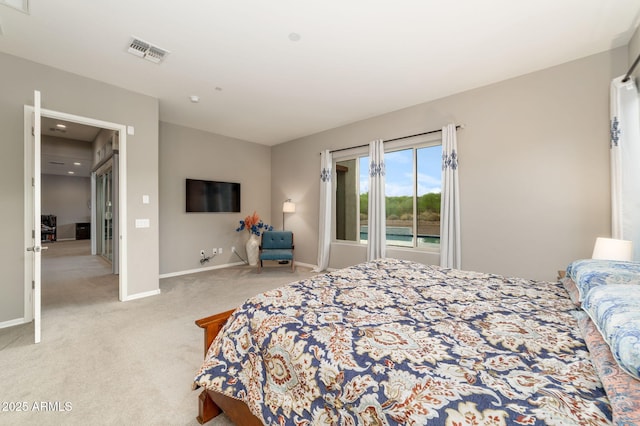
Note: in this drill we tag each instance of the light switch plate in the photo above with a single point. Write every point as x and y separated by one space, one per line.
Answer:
142 223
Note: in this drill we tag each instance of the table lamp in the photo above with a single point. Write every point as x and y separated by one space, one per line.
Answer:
612 249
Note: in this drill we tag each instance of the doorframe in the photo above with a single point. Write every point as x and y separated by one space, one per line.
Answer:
122 188
94 216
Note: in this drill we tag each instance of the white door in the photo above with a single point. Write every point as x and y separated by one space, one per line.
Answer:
34 247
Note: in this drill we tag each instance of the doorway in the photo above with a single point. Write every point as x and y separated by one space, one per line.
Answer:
115 238
79 192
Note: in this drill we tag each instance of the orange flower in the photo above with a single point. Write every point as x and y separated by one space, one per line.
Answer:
251 220
254 225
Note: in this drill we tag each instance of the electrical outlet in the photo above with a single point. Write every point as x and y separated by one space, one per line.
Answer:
220 250
214 251
201 252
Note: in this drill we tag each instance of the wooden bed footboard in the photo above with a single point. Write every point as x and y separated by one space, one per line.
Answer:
211 404
212 326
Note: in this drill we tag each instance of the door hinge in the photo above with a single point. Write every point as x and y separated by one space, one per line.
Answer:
33 285
33 131
33 233
33 181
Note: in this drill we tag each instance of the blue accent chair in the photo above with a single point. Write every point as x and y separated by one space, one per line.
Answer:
276 245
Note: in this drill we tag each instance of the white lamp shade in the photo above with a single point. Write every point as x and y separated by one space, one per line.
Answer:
288 207
612 249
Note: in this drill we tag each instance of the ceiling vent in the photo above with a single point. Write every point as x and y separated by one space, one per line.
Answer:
147 51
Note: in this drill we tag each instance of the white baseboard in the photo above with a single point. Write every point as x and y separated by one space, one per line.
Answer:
194 271
226 265
141 295
12 322
306 265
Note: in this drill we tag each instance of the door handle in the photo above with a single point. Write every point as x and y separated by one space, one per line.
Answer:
37 249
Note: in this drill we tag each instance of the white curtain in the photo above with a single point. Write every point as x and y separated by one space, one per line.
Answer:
450 201
324 225
625 163
377 238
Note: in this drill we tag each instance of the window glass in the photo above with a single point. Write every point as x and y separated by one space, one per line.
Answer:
364 199
429 182
412 191
347 200
399 197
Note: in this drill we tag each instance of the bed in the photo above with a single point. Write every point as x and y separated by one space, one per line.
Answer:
396 342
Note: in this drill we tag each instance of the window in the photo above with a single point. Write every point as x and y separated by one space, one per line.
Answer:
412 190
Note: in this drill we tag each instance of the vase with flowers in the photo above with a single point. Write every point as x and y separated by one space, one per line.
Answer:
255 226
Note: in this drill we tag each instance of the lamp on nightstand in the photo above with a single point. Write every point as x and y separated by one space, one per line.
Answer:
612 249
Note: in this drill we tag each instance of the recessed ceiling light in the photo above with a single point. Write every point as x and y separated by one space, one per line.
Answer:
294 37
194 98
61 126
76 163
71 172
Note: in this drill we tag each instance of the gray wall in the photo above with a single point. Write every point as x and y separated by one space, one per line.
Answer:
70 93
102 147
188 153
68 198
62 147
534 168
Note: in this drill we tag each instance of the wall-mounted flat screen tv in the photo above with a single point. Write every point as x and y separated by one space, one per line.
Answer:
212 197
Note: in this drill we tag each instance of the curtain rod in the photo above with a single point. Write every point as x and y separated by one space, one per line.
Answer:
459 126
633 67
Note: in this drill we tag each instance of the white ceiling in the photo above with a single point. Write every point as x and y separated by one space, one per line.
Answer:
70 130
71 154
355 58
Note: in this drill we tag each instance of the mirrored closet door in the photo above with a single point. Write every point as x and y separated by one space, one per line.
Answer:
104 213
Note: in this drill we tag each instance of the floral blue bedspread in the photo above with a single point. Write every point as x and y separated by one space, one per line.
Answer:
590 273
393 342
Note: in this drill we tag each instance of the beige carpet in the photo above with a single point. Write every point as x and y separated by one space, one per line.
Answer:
102 361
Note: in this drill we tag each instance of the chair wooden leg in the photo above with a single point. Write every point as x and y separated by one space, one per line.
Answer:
260 266
292 268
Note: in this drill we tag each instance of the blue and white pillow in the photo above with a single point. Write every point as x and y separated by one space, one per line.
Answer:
615 310
590 273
